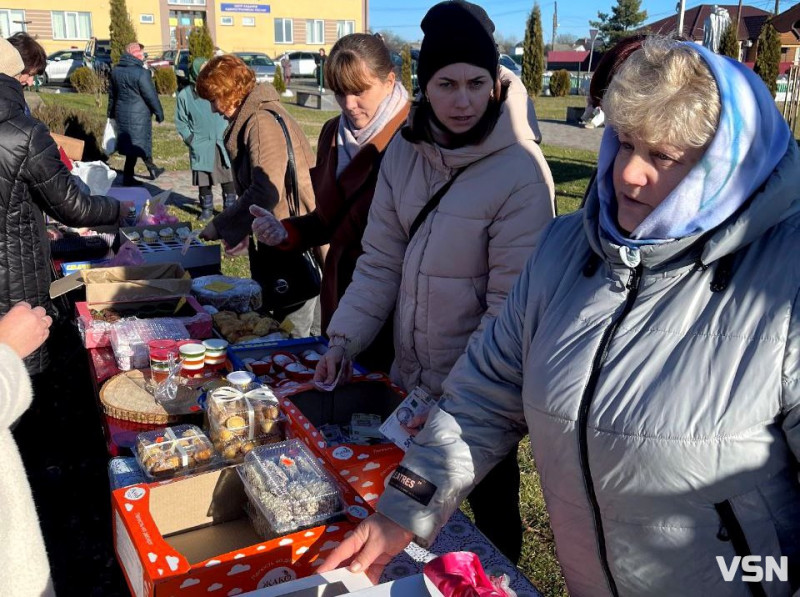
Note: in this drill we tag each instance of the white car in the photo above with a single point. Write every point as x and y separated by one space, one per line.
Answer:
510 64
60 65
304 64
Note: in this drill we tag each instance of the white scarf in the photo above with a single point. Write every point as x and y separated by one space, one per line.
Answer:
349 140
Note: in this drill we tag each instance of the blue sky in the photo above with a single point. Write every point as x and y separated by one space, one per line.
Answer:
509 16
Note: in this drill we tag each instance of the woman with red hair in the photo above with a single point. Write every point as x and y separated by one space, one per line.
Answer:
258 152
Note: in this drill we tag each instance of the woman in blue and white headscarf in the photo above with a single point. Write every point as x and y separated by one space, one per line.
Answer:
651 348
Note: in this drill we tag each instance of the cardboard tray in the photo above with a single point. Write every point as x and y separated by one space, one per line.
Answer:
125 283
190 537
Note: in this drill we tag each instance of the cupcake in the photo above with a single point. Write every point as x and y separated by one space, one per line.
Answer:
183 232
166 234
149 236
133 236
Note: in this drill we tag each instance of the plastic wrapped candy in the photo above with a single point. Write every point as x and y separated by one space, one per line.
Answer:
174 451
227 293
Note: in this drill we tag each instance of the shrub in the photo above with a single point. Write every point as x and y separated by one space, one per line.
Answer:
121 30
277 82
405 72
85 80
200 44
769 57
560 83
165 80
533 53
76 123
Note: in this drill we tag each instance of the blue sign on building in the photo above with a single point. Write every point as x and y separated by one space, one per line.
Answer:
237 7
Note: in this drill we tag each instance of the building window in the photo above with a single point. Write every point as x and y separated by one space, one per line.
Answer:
345 28
71 25
226 21
249 21
11 22
283 31
189 2
147 19
315 31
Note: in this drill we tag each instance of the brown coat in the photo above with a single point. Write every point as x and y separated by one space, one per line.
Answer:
257 149
342 207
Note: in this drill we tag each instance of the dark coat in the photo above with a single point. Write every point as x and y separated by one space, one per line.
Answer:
34 181
132 99
340 219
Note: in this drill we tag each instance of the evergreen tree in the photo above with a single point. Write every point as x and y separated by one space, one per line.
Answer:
533 53
624 18
405 73
200 44
729 44
277 81
121 28
769 57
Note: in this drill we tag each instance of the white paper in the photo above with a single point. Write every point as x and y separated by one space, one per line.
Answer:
417 403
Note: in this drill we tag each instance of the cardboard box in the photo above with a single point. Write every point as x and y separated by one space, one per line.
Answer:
71 146
126 283
343 582
365 468
190 537
97 333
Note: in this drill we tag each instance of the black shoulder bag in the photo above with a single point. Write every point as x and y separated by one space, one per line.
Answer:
287 278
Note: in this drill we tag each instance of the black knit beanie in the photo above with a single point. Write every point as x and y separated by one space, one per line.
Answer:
456 31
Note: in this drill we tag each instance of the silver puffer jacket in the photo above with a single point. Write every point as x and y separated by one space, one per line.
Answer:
662 401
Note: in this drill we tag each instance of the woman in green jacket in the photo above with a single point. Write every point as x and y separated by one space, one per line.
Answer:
202 130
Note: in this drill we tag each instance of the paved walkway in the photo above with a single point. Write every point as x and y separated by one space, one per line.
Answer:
562 134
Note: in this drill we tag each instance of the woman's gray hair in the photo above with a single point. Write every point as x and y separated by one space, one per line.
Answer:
664 93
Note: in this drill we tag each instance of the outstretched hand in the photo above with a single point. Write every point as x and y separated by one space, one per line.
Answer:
267 228
371 546
24 329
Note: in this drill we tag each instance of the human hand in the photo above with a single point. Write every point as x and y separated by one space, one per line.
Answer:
267 228
24 329
416 423
333 368
371 546
209 232
237 250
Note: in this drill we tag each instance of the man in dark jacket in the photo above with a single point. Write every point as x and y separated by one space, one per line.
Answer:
35 182
132 99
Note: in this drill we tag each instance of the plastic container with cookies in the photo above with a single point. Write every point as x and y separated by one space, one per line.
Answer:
239 422
175 451
288 488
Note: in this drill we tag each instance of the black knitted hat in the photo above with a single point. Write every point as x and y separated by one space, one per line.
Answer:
456 31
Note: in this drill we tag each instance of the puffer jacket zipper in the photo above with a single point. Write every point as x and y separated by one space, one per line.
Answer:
583 416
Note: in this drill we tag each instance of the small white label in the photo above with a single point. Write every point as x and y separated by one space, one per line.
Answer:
277 576
342 453
135 493
358 511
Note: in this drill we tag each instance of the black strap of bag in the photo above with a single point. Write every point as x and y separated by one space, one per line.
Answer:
432 203
292 186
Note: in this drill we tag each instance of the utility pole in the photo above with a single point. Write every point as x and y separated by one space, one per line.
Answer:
681 13
777 6
555 25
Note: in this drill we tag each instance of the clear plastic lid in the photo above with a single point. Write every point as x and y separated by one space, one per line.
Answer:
175 451
289 488
238 422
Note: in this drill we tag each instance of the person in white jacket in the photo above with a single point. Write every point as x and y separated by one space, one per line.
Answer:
470 139
25 571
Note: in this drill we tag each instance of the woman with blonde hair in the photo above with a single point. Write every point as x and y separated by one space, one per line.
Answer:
651 348
349 154
258 149
462 196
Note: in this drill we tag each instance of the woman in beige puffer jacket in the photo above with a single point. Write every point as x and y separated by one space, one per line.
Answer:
453 275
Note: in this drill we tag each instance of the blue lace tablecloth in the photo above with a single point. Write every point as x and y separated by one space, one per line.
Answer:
459 534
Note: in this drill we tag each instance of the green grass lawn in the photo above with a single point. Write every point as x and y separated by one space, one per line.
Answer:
571 171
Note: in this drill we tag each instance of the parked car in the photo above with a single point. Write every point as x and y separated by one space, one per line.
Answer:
60 65
261 64
510 64
181 66
97 55
304 64
166 58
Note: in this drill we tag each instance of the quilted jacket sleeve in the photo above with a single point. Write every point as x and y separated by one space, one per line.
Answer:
266 146
791 382
149 95
476 423
53 188
513 236
371 296
112 99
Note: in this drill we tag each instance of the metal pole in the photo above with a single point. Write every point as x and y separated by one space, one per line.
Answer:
681 13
